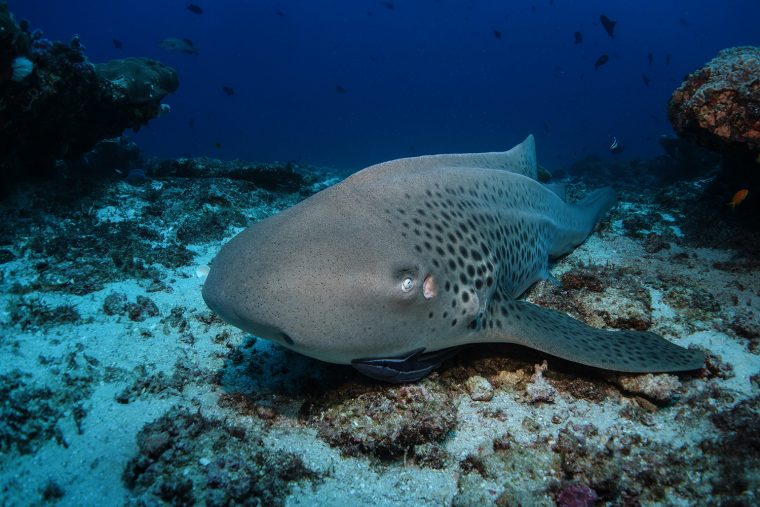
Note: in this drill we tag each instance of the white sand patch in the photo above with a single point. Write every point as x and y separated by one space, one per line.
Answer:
730 351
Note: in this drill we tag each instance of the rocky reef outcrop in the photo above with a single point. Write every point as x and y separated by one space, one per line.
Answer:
718 106
56 105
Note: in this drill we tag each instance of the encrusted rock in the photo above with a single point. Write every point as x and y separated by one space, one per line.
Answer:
510 379
576 495
719 105
625 309
383 421
172 465
539 389
747 325
479 388
115 303
270 176
661 387
697 303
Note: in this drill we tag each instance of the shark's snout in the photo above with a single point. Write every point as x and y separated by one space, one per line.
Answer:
233 302
219 296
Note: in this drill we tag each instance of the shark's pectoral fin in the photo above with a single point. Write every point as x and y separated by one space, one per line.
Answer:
560 335
409 367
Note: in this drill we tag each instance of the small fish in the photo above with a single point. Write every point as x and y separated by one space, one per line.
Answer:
191 123
389 5
646 79
578 37
217 145
341 90
650 57
738 198
195 9
117 44
608 24
668 58
228 90
616 147
497 34
279 13
683 22
179 45
601 61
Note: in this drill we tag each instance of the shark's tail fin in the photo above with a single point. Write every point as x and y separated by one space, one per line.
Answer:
595 205
580 219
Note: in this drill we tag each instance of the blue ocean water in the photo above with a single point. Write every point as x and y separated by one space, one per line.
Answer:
121 385
347 83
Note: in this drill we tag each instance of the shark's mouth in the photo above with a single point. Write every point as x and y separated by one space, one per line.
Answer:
408 367
266 331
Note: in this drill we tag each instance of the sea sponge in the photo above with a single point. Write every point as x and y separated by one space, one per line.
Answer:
22 67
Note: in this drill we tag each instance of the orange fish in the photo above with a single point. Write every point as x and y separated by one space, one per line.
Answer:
738 198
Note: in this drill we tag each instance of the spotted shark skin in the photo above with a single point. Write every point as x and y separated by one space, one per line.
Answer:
401 263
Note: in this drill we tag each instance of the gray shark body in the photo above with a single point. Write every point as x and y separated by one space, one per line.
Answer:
400 264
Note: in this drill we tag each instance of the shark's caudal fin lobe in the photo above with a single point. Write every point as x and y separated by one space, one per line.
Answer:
596 204
560 335
579 220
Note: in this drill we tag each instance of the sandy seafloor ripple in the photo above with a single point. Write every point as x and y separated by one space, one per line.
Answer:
117 384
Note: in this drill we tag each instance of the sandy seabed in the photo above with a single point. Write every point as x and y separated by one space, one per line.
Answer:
119 386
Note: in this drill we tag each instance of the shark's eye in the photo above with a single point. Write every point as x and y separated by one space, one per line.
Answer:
407 284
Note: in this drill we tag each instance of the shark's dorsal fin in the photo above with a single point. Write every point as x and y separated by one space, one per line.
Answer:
521 160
